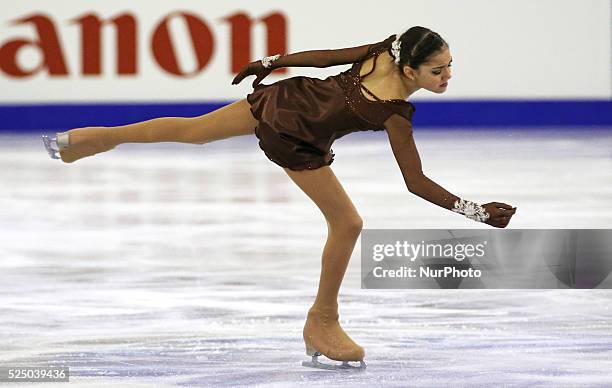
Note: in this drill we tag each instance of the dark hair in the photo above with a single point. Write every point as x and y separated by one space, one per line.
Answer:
417 45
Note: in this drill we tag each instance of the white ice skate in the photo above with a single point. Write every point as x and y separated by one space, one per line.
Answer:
55 144
314 363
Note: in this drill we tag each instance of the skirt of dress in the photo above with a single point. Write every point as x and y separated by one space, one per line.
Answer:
290 130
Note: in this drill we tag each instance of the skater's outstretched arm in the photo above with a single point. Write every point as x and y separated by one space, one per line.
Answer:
322 58
311 58
404 149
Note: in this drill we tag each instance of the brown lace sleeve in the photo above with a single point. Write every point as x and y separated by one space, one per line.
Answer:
408 159
331 57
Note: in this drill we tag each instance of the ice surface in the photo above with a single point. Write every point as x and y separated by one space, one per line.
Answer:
184 265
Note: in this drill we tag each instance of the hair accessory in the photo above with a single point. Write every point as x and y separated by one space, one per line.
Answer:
267 61
396 47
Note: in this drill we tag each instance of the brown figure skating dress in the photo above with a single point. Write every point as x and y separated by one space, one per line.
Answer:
300 117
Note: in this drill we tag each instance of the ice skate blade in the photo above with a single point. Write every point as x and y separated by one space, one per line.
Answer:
314 363
49 146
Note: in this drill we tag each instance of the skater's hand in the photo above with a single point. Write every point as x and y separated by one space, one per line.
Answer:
499 214
253 68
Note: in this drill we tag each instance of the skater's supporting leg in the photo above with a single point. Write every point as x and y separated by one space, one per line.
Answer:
234 119
322 331
344 226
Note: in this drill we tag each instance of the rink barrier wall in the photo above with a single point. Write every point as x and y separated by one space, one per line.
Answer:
446 114
117 51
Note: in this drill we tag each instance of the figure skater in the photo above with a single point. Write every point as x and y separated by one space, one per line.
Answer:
296 121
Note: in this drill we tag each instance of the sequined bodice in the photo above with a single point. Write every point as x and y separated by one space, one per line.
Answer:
372 112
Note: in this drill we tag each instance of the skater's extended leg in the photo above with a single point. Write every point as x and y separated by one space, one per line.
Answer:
322 332
231 120
234 119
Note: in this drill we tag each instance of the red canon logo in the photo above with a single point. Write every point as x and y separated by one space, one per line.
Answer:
49 43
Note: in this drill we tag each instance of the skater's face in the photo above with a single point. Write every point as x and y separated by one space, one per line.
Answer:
434 74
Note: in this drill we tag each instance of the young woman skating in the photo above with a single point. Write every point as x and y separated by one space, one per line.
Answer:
296 121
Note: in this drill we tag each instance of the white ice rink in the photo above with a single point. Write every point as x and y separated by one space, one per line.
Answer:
183 265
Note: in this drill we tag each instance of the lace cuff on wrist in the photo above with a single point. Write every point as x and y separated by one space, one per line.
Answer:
471 210
267 61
